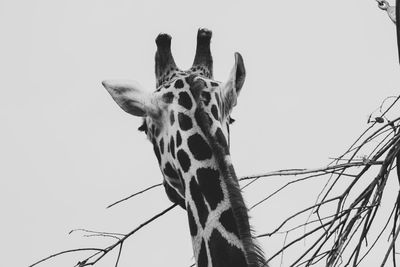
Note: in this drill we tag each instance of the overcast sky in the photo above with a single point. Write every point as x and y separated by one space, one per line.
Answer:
315 71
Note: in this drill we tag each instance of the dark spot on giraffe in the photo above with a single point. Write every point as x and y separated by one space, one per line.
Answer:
203 259
198 200
171 172
224 254
214 84
203 120
185 100
231 120
228 222
189 79
178 139
173 195
172 117
172 76
167 85
162 145
168 97
199 147
184 160
210 186
196 87
221 138
217 99
172 145
159 89
157 131
192 222
214 111
185 122
157 152
178 84
206 97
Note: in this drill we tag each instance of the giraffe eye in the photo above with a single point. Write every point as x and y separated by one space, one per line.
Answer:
143 128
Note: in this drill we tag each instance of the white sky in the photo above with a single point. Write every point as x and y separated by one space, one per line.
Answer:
315 70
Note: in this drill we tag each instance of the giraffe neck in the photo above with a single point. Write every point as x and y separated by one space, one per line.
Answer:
218 219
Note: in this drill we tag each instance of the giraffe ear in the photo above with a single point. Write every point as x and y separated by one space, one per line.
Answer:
131 97
231 89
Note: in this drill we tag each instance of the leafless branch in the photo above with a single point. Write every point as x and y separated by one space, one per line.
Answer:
133 195
342 234
343 216
100 253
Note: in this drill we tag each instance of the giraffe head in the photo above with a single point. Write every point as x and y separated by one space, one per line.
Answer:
187 120
173 113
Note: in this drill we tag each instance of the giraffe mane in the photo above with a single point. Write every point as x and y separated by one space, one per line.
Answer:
254 254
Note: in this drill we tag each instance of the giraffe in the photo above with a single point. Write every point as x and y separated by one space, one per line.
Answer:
187 120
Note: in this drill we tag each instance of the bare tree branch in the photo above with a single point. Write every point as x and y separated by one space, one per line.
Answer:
66 252
133 195
88 261
345 212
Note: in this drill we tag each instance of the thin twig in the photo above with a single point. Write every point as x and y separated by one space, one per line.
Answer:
105 251
66 252
133 195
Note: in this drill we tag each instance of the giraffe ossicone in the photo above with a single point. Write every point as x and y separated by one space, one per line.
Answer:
187 120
